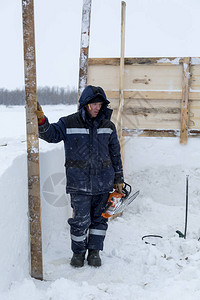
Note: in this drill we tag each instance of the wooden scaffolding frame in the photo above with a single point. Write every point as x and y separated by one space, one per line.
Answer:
161 95
150 97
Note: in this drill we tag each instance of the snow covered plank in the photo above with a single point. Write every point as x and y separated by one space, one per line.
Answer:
137 61
185 101
85 38
163 121
155 95
151 132
149 114
137 77
142 121
153 78
32 140
159 132
195 61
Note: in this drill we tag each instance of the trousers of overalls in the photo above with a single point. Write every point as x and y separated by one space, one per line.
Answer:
88 227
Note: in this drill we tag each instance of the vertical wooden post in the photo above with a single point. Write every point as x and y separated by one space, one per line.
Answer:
121 82
121 89
85 38
32 140
185 101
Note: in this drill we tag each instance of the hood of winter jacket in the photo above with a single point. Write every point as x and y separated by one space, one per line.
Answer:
90 93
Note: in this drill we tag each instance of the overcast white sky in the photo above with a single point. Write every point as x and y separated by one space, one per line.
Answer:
153 28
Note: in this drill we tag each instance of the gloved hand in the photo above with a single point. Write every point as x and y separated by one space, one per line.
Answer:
40 114
118 187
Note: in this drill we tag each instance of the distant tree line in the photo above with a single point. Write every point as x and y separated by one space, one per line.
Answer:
45 95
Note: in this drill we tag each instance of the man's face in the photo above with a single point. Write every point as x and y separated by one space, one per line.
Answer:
94 108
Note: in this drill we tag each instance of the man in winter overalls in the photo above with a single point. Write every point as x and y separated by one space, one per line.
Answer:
93 166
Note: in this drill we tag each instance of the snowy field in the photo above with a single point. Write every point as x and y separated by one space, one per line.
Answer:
131 269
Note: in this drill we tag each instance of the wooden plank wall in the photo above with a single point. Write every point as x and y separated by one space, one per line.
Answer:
154 91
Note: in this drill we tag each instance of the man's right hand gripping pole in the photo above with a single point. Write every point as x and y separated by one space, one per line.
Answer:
40 114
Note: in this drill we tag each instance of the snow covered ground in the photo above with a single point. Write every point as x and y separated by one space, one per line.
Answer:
131 268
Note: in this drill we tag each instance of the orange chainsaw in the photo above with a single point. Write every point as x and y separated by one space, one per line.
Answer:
118 201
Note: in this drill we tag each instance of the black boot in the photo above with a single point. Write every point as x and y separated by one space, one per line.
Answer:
94 258
77 260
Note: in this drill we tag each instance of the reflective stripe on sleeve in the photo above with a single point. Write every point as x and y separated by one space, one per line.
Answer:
78 238
97 232
77 131
104 130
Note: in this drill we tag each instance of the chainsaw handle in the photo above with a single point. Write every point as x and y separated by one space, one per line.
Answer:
124 189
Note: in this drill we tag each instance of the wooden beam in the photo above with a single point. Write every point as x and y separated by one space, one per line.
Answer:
185 100
151 133
158 133
152 95
115 61
121 81
85 38
121 89
137 78
32 140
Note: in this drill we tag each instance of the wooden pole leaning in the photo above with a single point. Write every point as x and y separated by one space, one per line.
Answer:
121 82
85 38
36 265
121 90
185 101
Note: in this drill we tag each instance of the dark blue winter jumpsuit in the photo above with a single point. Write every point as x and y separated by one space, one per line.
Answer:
93 165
